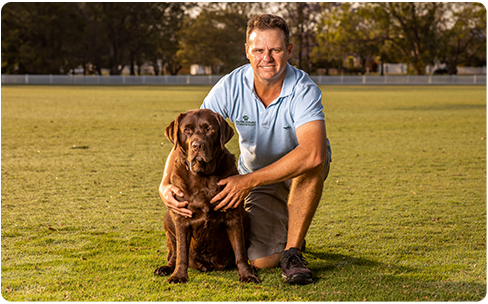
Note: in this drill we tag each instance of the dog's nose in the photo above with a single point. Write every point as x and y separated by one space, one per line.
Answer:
197 145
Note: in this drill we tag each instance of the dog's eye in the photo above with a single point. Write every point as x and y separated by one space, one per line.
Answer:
209 129
187 130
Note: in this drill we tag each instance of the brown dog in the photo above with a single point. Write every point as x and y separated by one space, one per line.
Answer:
210 239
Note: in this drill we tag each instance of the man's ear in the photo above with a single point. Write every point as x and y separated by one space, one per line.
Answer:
290 49
172 130
226 131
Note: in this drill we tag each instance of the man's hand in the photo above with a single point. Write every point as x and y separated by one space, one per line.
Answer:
168 194
236 189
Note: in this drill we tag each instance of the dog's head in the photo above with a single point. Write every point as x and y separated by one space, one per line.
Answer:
200 136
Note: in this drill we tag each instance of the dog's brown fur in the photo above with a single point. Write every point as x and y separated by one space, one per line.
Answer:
210 239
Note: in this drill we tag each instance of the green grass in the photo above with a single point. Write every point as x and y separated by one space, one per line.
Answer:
403 215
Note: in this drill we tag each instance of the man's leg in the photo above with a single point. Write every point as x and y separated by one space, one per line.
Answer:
302 201
267 262
304 197
267 210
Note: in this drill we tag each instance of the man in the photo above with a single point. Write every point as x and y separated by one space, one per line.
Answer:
284 157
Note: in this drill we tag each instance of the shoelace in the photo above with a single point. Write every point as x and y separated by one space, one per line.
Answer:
297 261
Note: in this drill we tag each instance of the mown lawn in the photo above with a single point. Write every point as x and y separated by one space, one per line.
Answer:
403 216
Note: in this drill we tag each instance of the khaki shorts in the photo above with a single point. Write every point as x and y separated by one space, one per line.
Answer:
267 209
268 212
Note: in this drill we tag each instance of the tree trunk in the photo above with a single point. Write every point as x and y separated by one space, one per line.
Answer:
156 67
132 68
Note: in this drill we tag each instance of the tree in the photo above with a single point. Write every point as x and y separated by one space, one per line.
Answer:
463 36
92 47
414 33
326 51
347 30
413 29
215 38
116 23
132 33
302 19
40 37
165 46
53 38
154 28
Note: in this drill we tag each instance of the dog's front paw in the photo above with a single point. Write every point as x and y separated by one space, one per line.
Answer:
176 280
254 269
164 270
249 279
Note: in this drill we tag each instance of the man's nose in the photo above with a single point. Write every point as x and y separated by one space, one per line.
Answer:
267 56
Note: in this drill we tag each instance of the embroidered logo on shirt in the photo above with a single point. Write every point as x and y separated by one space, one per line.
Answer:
287 127
245 122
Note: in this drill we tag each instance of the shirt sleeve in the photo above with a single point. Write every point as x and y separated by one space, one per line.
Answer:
309 108
308 105
217 98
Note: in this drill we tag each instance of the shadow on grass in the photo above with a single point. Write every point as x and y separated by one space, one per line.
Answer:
388 282
326 265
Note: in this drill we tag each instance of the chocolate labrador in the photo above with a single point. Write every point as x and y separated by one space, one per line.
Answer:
209 240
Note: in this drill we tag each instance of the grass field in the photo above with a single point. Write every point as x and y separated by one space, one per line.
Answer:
402 218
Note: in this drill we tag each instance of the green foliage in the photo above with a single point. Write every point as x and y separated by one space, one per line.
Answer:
40 37
133 32
302 18
402 218
215 38
53 38
348 30
465 41
411 32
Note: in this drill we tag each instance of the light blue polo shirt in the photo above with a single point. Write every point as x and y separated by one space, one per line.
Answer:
265 134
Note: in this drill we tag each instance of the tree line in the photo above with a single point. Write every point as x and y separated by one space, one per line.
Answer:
54 38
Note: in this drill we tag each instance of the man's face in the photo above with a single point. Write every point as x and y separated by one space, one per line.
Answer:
268 54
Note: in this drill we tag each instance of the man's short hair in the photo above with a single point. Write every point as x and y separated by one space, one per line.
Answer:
268 22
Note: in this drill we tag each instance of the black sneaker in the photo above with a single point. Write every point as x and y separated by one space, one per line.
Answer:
294 268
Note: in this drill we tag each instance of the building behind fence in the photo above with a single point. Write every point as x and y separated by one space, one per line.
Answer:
212 79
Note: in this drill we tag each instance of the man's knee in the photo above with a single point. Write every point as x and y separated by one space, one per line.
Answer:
315 176
326 167
267 262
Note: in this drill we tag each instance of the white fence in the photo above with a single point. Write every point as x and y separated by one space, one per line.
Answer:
212 79
402 80
109 80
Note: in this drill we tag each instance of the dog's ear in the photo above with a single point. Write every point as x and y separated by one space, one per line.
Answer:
172 130
226 131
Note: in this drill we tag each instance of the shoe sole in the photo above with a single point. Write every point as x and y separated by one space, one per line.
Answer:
297 279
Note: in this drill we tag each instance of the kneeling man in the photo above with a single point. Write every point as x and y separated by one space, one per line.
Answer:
285 153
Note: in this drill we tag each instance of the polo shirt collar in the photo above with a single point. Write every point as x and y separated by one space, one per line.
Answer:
288 83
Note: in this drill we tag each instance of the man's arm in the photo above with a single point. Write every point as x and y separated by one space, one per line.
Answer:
167 191
309 154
